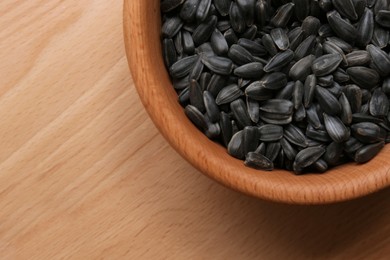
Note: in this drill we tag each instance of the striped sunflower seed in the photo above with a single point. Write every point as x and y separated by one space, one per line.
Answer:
196 117
333 153
253 109
283 15
365 28
309 90
240 55
325 81
305 47
343 28
269 45
237 19
223 6
257 91
307 157
259 162
336 129
204 30
251 139
279 61
354 96
383 18
302 68
240 113
327 101
380 37
270 133
280 38
236 145
379 104
358 58
196 96
346 110
368 152
380 59
211 107
228 94
346 8
219 43
295 136
253 47
326 64
219 65
364 77
182 67
272 151
274 81
253 70
368 132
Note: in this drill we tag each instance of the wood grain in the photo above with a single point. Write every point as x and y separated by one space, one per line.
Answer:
84 174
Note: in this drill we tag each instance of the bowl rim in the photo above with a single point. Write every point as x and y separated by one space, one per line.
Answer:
339 184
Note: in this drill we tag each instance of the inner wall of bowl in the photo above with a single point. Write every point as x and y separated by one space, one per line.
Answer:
160 100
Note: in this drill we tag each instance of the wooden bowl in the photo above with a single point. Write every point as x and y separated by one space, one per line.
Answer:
142 39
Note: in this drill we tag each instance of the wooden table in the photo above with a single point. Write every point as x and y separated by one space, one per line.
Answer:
84 174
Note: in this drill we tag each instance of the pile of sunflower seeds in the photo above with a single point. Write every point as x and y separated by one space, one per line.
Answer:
301 85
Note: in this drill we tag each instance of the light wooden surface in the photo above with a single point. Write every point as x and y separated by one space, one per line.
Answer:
84 174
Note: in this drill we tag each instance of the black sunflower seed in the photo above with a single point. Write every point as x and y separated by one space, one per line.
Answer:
368 132
182 67
280 38
223 6
217 64
346 110
336 129
257 91
253 109
295 136
228 94
237 19
368 152
326 64
358 58
274 81
325 81
240 55
251 139
259 162
379 104
273 150
354 96
219 43
333 153
282 15
307 157
204 30
269 44
169 5
305 47
365 28
270 133
311 25
309 90
364 77
240 113
302 68
279 61
196 117
226 128
383 18
380 59
253 47
343 28
380 37
346 8
327 101
302 9
236 145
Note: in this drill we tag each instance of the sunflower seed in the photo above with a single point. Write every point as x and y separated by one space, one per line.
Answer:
196 96
320 166
365 28
169 5
379 104
340 76
282 15
249 33
331 48
236 145
311 25
295 37
228 94
326 64
317 134
352 145
270 133
261 12
312 117
354 96
196 117
336 129
196 70
273 150
364 77
217 82
240 113
247 9
302 9
204 30
169 52
259 162
358 58
237 19
295 136
253 109
380 5
240 55
251 139
257 91
346 8
325 30
288 149
219 43
380 37
362 118
383 18
211 107
325 81
226 128
261 149
286 92
307 157
278 112
327 101
219 65
298 94
326 5
346 112
302 68
188 10
368 132
253 47
333 153
223 6
205 49
371 3
252 70
203 10
300 114
305 47
230 36
380 59
274 81
368 152
344 29
309 90
171 27
280 38
386 86
269 45
182 67
279 61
